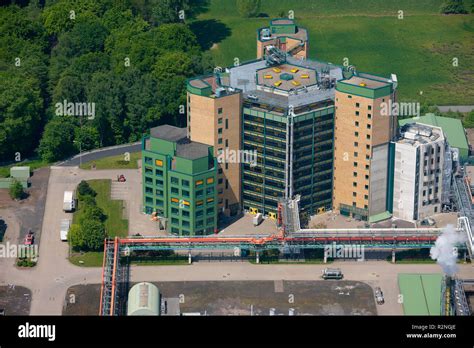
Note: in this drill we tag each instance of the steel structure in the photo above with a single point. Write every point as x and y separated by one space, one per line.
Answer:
112 276
291 237
461 306
110 271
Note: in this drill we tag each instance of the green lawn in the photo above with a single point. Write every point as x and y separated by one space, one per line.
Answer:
89 259
114 162
33 164
115 224
418 48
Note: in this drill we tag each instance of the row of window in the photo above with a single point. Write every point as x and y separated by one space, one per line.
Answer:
186 223
200 232
149 160
185 213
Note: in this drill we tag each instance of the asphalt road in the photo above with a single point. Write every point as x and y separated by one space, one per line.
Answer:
95 155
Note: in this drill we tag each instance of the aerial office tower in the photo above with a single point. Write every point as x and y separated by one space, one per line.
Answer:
422 172
288 115
214 118
362 164
179 181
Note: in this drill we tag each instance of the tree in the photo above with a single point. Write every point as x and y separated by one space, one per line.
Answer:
248 8
76 237
57 141
87 138
16 190
172 64
468 121
167 11
84 189
92 213
62 15
20 114
87 35
88 236
453 7
94 234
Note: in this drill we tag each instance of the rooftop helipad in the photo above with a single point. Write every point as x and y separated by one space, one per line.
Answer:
286 77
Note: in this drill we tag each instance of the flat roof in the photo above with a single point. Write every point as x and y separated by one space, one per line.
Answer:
192 150
244 77
365 82
185 148
421 293
416 134
198 83
286 77
170 133
283 21
452 128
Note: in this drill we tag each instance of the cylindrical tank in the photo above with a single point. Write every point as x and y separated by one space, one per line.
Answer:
143 299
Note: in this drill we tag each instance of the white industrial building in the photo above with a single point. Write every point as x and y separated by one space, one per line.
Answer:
422 172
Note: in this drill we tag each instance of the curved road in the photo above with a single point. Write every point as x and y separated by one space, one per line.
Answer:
97 154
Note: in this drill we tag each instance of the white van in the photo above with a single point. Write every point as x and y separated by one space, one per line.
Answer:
65 224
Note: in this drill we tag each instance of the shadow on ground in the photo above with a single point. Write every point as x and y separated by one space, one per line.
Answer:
209 32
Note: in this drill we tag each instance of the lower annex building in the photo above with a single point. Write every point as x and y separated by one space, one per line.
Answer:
179 181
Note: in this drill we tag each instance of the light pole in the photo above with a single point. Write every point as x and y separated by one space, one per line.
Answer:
80 152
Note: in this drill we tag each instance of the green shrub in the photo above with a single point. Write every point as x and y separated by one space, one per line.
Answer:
453 7
84 190
25 263
92 213
248 8
16 190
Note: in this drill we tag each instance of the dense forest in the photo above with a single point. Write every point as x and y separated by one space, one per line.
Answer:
127 58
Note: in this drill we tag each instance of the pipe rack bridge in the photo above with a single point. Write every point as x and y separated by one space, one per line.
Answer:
114 275
370 238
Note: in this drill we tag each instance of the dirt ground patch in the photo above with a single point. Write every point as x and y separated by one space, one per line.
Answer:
15 300
27 213
82 300
238 297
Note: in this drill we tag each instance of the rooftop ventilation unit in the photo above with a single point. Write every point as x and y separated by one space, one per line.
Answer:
265 34
275 56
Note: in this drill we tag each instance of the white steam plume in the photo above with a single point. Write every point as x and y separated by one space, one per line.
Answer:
445 252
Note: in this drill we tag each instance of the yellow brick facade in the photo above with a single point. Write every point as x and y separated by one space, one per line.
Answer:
217 122
354 139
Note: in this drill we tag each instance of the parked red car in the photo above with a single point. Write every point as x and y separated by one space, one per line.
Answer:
29 238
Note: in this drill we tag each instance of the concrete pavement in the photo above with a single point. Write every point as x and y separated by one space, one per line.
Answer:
374 273
53 275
